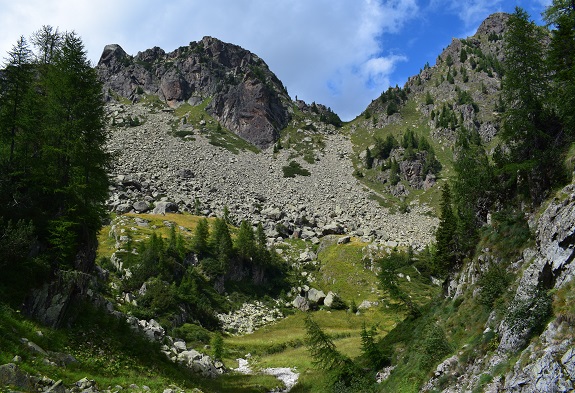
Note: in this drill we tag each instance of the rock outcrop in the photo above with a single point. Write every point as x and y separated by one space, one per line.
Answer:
245 96
537 362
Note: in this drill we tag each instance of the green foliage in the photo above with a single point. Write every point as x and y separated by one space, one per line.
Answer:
449 60
531 130
192 334
529 314
508 233
341 369
394 172
464 98
434 346
245 243
389 267
383 147
463 55
472 188
444 259
217 344
53 159
428 99
293 169
446 118
493 284
369 348
201 235
330 117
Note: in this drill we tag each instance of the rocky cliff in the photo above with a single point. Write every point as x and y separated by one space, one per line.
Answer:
531 347
245 96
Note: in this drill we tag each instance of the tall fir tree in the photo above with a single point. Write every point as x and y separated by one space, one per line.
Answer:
530 128
444 259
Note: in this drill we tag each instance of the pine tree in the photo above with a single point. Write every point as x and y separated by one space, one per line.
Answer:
561 59
472 187
444 258
245 241
221 243
531 130
200 239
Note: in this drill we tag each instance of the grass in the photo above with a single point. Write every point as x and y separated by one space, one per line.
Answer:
110 353
342 271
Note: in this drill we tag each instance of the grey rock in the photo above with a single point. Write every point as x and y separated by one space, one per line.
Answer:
165 207
344 240
141 206
315 296
11 374
329 298
300 303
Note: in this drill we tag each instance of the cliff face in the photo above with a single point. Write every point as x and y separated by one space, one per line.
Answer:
246 97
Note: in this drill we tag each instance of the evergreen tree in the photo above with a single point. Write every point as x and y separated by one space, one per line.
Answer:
52 137
444 258
245 241
530 130
394 172
369 347
561 60
472 187
221 243
200 239
326 357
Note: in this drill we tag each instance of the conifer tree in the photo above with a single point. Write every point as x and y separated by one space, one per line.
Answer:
472 187
444 258
245 241
530 129
200 239
221 243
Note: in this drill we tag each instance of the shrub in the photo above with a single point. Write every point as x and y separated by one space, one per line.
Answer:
294 168
493 283
192 333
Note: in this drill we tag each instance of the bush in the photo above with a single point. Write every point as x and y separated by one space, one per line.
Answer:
493 284
192 333
294 168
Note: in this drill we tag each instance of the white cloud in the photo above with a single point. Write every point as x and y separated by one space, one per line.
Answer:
471 12
326 51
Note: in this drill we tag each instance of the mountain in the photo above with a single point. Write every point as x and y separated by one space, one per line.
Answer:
245 96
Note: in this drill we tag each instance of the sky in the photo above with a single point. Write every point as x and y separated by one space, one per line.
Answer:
340 53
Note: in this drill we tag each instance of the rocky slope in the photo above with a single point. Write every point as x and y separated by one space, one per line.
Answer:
153 165
246 97
531 350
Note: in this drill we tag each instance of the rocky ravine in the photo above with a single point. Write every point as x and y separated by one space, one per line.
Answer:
152 165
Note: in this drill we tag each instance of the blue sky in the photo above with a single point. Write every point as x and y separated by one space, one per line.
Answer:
340 53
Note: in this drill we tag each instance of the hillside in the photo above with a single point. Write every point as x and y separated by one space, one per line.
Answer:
255 243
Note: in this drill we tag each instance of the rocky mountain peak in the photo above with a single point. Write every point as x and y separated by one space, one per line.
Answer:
494 24
243 94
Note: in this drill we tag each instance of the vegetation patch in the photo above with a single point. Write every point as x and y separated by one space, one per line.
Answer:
294 169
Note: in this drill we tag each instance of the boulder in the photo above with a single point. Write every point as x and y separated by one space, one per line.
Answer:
315 296
141 206
165 207
300 303
329 298
344 240
10 374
